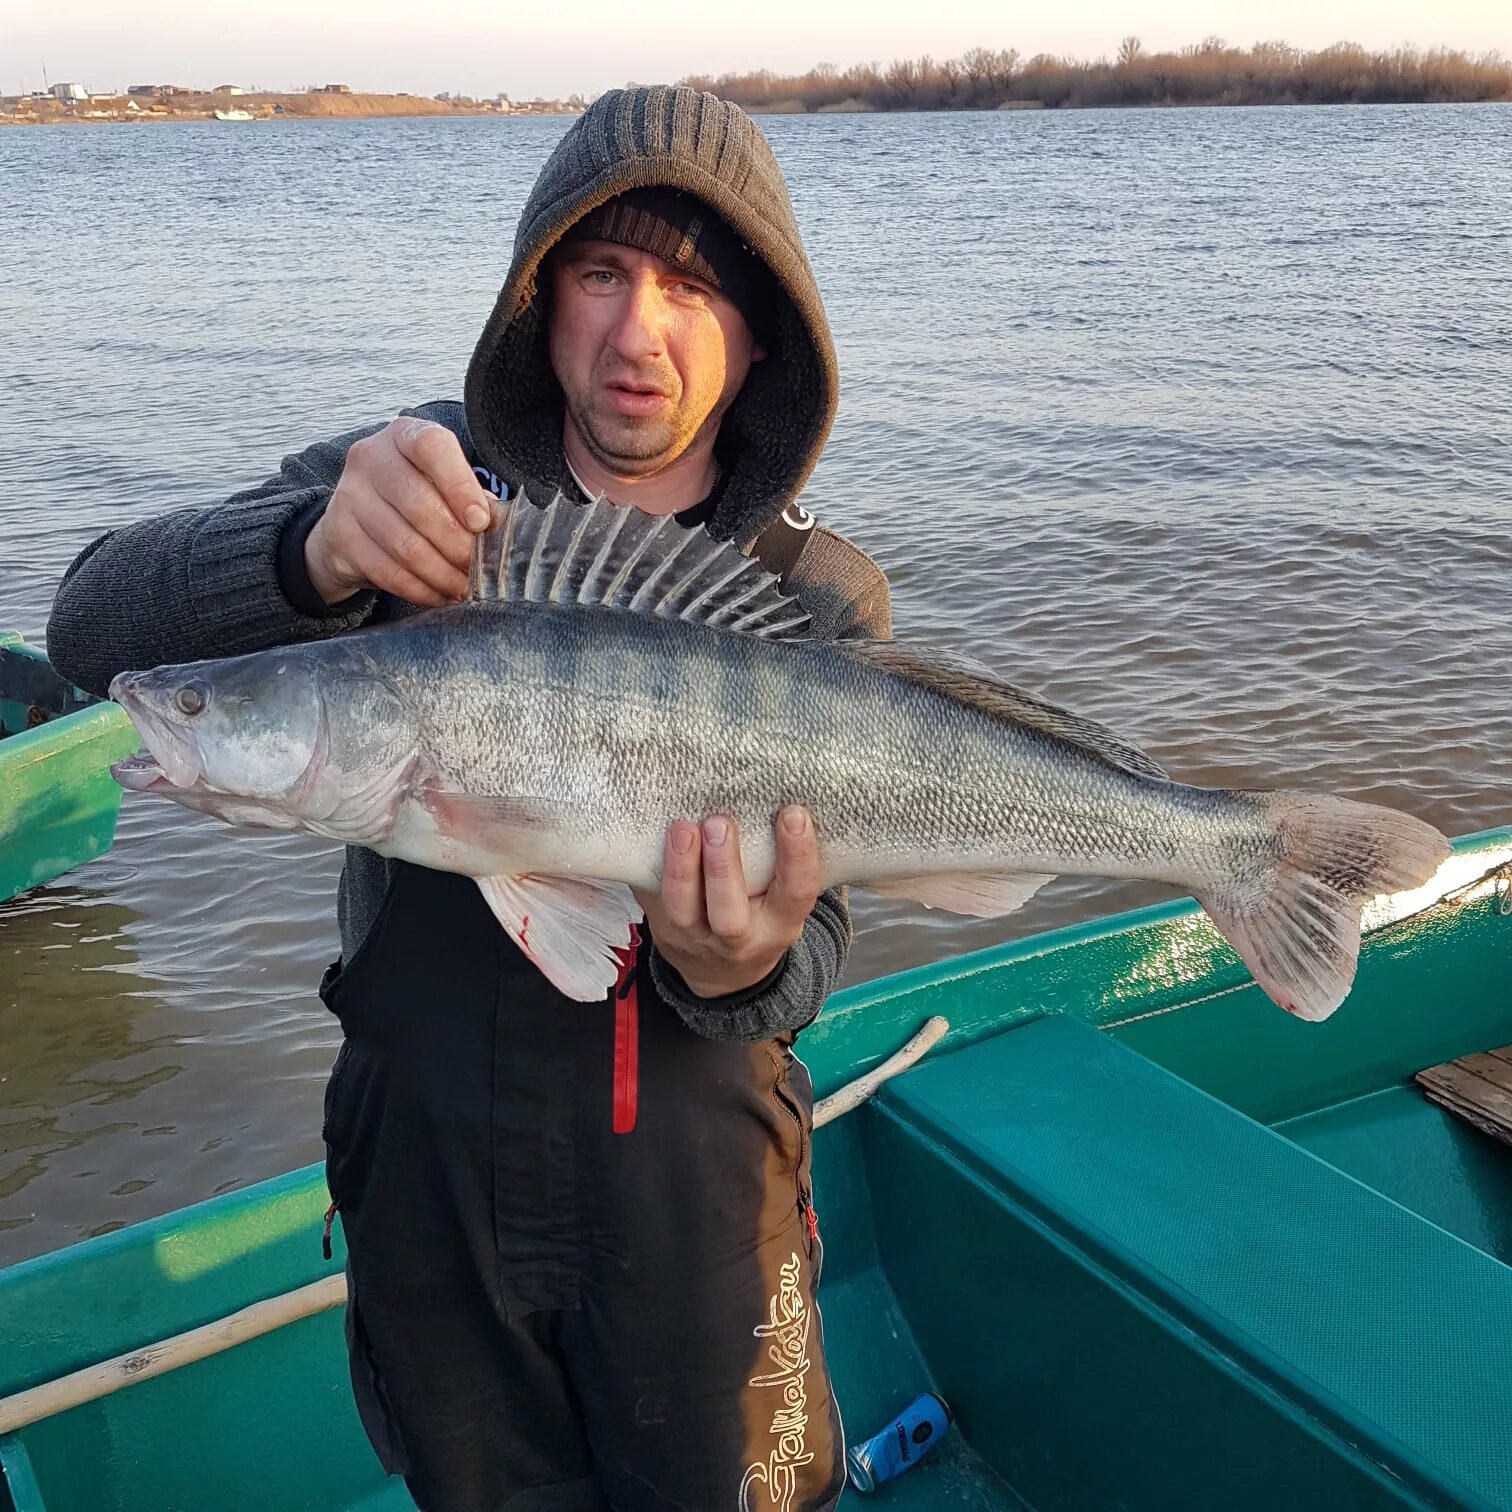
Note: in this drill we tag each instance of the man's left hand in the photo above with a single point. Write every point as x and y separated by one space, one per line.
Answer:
705 924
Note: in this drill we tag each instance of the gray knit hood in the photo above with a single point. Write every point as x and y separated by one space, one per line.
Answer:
674 138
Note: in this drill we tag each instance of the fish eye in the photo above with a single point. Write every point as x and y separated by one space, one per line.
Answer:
191 698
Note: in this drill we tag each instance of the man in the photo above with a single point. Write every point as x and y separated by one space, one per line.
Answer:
582 1244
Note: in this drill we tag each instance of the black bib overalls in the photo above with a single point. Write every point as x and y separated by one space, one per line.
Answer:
581 1248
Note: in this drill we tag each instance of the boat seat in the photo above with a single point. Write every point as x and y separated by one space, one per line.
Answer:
1318 1284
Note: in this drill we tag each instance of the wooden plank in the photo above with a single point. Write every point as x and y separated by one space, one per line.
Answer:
1488 1067
1475 1088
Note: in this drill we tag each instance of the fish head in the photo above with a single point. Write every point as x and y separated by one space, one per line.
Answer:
237 727
279 739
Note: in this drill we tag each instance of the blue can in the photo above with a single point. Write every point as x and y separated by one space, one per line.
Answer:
899 1446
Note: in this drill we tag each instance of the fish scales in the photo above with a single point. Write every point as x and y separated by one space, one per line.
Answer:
629 721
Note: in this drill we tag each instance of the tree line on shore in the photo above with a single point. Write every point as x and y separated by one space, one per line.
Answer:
1207 73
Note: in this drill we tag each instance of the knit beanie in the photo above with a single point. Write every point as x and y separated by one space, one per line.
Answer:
684 231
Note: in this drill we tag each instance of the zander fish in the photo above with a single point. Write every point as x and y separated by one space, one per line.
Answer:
613 671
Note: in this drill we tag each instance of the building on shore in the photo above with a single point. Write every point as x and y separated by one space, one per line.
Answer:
334 89
69 93
228 89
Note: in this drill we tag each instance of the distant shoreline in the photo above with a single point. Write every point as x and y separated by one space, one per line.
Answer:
783 109
249 109
1209 73
847 108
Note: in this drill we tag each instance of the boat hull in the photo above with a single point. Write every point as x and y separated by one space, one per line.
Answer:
58 801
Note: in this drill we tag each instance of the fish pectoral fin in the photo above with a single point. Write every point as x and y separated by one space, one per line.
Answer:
572 928
492 821
984 895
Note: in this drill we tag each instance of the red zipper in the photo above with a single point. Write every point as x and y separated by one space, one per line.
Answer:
627 1038
810 1219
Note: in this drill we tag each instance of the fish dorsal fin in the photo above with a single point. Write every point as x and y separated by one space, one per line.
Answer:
616 557
964 681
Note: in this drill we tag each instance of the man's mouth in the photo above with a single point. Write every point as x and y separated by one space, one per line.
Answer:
628 397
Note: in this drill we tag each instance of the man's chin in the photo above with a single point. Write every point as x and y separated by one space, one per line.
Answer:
634 446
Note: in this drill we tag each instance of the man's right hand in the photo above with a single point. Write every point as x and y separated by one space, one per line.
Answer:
402 518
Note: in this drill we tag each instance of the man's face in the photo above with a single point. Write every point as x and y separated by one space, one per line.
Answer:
648 356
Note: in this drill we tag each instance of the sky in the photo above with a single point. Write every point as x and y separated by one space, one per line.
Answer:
482 47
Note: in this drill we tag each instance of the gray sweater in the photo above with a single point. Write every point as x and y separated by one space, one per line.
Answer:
206 583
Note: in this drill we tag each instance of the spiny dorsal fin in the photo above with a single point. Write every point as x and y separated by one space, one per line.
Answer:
959 678
621 558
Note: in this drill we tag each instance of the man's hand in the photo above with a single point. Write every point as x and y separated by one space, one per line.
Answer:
719 939
402 518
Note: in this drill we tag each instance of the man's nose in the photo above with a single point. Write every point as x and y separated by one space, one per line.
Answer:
641 329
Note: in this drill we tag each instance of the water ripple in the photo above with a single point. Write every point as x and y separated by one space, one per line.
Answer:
1194 420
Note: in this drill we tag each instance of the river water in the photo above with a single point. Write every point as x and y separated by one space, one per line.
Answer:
1194 420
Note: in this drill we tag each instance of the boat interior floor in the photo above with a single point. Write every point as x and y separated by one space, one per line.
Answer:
953 1478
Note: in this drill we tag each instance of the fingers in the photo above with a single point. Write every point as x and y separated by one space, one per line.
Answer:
682 886
706 925
437 454
726 901
377 566
796 881
412 552
384 464
402 517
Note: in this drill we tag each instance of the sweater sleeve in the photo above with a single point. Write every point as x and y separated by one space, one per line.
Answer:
196 583
210 582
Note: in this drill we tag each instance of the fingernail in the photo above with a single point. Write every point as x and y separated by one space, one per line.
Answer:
715 830
477 517
682 838
794 820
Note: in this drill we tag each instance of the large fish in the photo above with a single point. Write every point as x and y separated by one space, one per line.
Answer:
613 671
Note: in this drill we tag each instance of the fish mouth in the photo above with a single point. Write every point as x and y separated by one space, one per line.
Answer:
168 762
140 774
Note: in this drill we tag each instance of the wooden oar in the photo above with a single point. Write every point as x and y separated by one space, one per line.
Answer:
853 1094
151 1360
157 1359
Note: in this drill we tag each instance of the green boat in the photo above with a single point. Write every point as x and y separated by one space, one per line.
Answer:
58 801
1160 1247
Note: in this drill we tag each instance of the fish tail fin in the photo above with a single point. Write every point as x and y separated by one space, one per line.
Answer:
1296 921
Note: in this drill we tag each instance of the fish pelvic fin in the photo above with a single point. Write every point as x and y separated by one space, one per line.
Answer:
617 557
965 682
982 895
1296 923
570 927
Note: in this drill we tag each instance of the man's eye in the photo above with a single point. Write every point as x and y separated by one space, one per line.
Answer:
602 277
690 291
